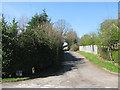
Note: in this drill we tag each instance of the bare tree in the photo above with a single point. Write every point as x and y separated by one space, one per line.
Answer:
71 38
23 23
63 26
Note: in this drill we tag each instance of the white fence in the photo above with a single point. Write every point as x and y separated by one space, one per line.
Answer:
90 48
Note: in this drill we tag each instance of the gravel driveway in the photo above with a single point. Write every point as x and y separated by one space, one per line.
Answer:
77 73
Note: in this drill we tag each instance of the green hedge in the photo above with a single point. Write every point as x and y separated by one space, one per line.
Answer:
26 55
39 47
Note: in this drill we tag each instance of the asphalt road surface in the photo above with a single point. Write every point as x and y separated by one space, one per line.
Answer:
77 73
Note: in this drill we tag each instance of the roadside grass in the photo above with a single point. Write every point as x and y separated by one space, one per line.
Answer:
44 73
14 79
0 79
94 59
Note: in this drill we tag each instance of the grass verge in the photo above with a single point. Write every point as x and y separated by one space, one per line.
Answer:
14 79
44 73
94 59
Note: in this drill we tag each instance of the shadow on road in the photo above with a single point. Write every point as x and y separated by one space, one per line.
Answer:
69 64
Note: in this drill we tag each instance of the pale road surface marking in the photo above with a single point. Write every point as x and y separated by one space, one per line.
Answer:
77 73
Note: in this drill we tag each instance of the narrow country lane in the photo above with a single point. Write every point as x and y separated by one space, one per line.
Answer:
77 73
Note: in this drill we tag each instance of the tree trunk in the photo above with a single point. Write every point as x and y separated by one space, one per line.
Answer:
110 54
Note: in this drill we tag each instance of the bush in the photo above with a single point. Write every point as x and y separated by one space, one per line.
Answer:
115 55
39 47
30 50
74 47
103 52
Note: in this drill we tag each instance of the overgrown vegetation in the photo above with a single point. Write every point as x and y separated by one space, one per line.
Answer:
89 39
104 53
72 40
107 39
39 45
74 47
108 35
94 58
70 36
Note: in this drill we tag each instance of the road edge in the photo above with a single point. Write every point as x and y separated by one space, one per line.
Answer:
106 70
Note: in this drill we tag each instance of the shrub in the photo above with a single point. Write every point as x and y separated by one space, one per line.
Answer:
74 47
103 52
115 55
39 46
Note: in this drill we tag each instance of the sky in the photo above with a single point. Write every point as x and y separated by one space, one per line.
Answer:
84 17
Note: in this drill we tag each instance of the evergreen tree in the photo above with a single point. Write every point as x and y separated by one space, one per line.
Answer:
38 20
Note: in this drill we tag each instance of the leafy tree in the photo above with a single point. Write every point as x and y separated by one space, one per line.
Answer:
89 39
94 38
109 34
85 40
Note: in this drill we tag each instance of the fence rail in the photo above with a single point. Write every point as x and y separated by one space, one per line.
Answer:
90 48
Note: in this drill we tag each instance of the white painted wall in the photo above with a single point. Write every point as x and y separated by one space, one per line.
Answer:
90 48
